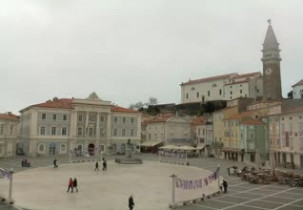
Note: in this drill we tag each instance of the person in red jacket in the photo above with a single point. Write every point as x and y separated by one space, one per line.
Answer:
70 185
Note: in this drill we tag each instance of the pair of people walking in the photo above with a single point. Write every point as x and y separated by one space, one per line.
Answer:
104 165
72 184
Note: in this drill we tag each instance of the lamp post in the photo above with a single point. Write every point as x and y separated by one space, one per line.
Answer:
11 172
173 176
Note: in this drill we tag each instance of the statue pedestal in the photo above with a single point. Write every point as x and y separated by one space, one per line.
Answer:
129 157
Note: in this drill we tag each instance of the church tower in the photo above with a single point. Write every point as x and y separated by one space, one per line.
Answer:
271 66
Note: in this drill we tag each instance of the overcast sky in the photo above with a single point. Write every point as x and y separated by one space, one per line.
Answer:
129 50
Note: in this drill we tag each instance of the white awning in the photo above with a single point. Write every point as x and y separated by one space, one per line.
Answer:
187 148
150 143
169 147
200 146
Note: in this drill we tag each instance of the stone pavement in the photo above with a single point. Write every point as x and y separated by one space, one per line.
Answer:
241 195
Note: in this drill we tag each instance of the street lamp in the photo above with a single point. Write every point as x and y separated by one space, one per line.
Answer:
11 172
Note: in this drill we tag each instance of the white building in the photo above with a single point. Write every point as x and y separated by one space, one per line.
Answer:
222 87
169 130
8 134
83 126
244 86
298 90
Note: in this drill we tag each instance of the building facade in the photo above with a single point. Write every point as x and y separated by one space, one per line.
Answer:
9 127
298 90
78 126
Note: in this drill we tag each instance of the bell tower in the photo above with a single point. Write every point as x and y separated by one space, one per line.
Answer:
271 66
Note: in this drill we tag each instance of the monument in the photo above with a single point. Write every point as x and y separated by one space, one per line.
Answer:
129 157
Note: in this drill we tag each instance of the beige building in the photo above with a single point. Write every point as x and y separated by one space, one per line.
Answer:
78 126
222 87
169 130
9 124
298 90
286 135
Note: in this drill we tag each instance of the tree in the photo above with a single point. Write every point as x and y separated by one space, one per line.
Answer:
153 101
290 94
136 106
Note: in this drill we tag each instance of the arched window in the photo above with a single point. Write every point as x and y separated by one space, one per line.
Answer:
41 148
63 148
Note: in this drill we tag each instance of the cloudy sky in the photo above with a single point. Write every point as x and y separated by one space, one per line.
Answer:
129 50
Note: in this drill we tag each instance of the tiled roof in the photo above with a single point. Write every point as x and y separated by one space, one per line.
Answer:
209 79
63 103
240 115
158 119
293 110
125 110
298 83
198 121
253 122
8 116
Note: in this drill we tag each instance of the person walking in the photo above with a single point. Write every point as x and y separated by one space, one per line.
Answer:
75 184
225 185
131 202
55 163
70 185
96 166
104 165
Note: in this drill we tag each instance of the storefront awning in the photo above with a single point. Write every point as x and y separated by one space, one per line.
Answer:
187 148
200 147
169 147
150 143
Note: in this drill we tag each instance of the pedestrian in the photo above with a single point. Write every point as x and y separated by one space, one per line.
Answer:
104 165
225 186
75 184
70 185
97 166
131 202
55 163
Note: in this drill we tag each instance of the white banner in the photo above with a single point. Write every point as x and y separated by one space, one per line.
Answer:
4 173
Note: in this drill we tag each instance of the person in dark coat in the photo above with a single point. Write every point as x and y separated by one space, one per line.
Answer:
131 202
225 186
97 166
75 184
104 165
55 163
70 185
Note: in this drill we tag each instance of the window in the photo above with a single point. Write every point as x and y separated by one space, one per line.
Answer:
79 131
123 132
102 132
41 148
132 132
102 119
54 116
91 131
240 91
124 120
231 92
115 119
11 130
1 129
64 117
43 116
42 130
220 92
132 120
208 93
64 131
115 132
54 131
186 95
197 94
62 148
80 118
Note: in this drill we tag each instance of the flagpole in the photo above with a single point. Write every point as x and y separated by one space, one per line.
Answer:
173 176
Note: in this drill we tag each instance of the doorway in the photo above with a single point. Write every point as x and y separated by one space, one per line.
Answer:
52 149
91 149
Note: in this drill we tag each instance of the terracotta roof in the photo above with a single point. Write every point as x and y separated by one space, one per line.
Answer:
298 83
253 122
125 110
294 110
209 79
159 119
198 121
63 103
240 115
8 116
